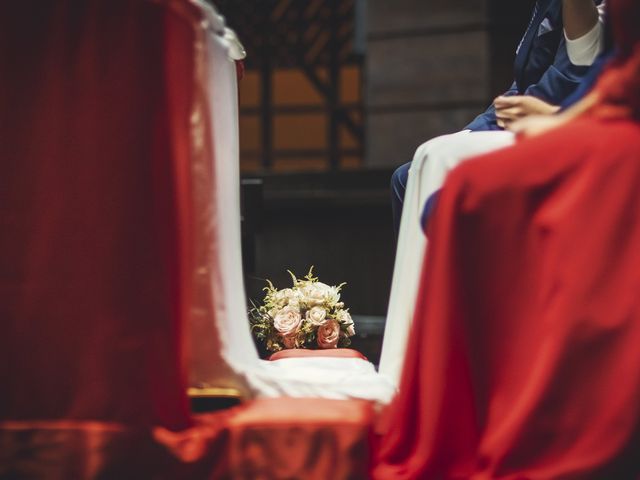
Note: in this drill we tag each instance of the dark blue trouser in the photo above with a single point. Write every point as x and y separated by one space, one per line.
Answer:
398 189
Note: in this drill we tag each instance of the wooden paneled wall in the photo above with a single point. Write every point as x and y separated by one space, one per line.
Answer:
432 66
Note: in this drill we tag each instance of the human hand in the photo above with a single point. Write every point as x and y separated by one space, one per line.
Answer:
512 108
535 125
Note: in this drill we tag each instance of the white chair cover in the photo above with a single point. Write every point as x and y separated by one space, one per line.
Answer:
223 350
431 163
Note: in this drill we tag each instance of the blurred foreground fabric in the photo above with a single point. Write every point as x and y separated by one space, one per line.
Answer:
524 353
114 294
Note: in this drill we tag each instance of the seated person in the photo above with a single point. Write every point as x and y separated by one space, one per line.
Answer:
545 75
435 158
591 45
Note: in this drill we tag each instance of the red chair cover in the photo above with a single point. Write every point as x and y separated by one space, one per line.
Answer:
524 357
270 438
524 353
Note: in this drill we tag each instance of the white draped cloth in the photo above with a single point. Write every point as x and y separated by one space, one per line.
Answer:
429 168
223 352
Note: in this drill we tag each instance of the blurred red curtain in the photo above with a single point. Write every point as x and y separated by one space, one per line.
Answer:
94 120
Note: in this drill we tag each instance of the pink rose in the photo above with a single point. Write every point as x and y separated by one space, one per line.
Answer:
328 334
287 321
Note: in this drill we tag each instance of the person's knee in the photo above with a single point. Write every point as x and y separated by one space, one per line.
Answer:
420 155
425 150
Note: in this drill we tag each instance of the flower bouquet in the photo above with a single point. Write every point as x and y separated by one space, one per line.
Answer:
307 315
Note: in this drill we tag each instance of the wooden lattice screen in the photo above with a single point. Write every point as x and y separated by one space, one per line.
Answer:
302 97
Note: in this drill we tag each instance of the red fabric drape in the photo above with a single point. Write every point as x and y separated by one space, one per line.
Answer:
524 355
92 111
618 91
523 360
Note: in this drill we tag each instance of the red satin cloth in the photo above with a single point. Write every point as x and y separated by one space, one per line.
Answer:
304 353
271 438
618 88
524 355
312 438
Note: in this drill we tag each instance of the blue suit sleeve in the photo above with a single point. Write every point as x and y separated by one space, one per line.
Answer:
487 120
560 80
556 84
588 81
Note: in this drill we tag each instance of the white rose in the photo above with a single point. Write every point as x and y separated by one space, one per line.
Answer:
317 293
294 294
287 321
281 297
294 303
344 317
294 297
317 316
312 295
332 295
329 334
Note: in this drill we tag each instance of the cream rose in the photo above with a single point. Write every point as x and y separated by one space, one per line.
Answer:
294 303
312 294
282 297
317 316
287 321
328 334
331 295
344 318
317 293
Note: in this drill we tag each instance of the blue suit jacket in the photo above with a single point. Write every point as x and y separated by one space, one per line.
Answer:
542 67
